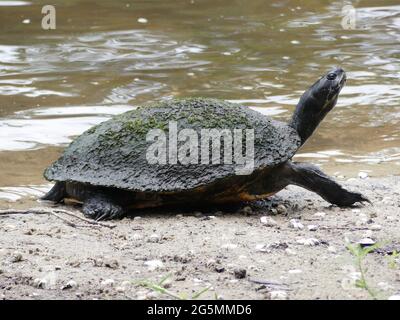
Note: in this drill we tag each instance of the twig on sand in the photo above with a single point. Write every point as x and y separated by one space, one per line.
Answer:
269 283
68 222
94 222
56 213
346 228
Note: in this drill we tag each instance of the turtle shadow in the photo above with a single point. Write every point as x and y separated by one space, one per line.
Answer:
242 208
187 210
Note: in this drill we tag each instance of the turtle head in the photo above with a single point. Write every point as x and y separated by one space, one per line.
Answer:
316 102
326 90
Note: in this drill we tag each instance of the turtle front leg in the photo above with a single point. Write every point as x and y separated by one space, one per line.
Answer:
57 193
313 179
101 207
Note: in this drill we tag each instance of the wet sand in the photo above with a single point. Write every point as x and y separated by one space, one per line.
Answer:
41 257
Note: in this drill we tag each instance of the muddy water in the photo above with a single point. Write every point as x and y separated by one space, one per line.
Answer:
106 57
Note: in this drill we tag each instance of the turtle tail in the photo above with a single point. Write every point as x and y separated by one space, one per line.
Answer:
57 193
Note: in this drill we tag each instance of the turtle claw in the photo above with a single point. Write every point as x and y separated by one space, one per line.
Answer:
101 208
364 199
361 198
350 199
102 217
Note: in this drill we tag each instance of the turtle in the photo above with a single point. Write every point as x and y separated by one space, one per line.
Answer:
107 169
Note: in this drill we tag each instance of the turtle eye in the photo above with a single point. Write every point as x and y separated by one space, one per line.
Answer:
331 76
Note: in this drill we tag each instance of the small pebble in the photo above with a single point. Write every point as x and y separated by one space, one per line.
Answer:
366 242
40 283
154 238
120 289
154 264
108 283
69 285
373 214
142 20
290 251
137 236
273 211
376 227
281 209
278 245
16 257
219 269
262 247
239 273
295 224
309 242
267 221
205 218
272 246
363 175
247 211
320 214
111 263
312 227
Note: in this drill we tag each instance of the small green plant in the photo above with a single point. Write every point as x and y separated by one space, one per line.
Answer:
392 259
360 253
159 287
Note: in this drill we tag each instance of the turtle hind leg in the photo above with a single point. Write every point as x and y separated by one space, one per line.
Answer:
101 207
313 179
57 193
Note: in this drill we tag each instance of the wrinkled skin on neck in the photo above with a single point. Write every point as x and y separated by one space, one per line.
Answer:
316 102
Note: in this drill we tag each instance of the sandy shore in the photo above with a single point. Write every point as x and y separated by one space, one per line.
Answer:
256 252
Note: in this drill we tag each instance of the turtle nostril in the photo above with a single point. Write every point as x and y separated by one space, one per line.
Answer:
331 76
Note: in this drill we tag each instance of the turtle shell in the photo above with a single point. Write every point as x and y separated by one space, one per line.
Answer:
113 153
